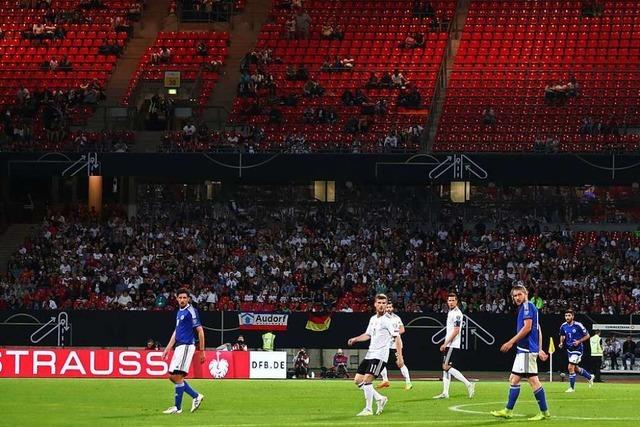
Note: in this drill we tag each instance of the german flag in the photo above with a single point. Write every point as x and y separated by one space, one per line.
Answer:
318 322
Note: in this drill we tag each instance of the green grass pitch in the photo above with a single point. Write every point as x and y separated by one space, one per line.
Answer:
70 402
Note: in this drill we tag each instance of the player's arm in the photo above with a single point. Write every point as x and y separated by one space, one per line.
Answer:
448 340
359 338
523 332
401 329
170 345
201 344
581 340
541 353
561 341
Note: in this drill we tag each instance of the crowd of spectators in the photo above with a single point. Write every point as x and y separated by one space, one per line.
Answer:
288 256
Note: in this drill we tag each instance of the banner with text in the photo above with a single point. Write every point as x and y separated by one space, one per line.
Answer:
39 362
263 321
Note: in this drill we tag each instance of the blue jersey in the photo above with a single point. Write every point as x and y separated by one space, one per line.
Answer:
531 342
187 319
572 332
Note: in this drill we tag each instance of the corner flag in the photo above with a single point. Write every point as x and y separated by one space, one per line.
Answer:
552 349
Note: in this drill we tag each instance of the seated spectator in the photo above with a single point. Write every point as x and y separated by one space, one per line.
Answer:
327 31
372 81
38 31
398 80
302 74
291 73
423 9
309 115
64 64
312 89
410 98
409 42
351 126
488 116
359 97
162 56
188 132
347 98
363 124
202 50
290 27
275 115
380 106
385 81
53 64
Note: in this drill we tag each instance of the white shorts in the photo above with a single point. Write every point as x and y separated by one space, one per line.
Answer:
181 360
574 357
525 365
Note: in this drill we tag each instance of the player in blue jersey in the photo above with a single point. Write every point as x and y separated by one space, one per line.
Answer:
527 341
572 336
187 321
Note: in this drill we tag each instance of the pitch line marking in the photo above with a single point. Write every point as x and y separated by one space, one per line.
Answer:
458 408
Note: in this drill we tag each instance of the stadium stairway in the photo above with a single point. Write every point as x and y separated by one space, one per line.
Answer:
153 20
244 33
447 67
12 238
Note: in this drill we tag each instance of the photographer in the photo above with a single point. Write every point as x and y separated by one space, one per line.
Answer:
301 364
340 364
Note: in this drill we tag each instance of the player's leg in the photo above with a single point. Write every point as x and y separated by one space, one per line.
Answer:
512 397
385 379
197 397
176 376
458 375
538 392
583 372
384 374
363 380
374 370
405 373
446 377
522 368
572 375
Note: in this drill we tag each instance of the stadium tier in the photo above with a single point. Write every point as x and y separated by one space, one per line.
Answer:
340 45
273 256
198 56
557 76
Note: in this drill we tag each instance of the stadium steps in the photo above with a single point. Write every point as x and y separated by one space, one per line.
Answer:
244 33
11 240
454 43
153 20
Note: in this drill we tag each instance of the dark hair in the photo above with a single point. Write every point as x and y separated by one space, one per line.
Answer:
570 310
381 296
452 295
182 291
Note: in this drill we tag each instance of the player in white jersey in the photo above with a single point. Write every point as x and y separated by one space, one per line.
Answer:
451 349
392 348
381 331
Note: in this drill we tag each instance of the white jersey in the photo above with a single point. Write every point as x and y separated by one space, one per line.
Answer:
454 320
382 331
397 324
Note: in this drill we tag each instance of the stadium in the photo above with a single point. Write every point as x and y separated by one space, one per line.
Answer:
280 212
